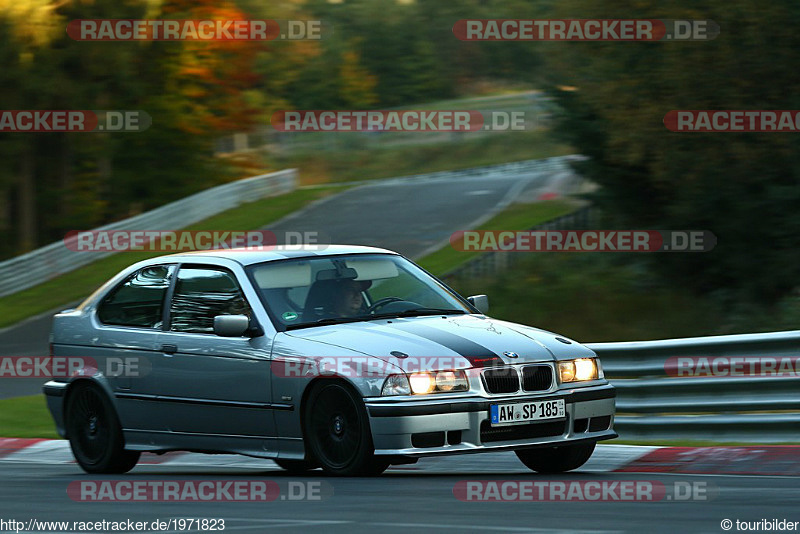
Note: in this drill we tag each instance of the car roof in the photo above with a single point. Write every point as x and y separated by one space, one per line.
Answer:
249 256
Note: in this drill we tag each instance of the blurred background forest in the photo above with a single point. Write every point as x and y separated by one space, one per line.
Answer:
605 100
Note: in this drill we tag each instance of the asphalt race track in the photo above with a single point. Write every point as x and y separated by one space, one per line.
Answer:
411 216
416 498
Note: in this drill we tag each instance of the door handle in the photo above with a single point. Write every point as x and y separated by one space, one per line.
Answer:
169 349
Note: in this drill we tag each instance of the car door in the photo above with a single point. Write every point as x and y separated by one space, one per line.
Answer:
124 344
209 384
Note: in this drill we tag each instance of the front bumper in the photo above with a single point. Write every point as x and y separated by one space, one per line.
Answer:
436 426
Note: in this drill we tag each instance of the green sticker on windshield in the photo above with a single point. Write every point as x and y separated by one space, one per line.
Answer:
289 316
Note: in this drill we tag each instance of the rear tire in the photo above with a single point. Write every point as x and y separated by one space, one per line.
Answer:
337 431
556 459
95 435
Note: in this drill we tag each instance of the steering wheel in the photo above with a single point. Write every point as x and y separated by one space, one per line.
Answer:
381 303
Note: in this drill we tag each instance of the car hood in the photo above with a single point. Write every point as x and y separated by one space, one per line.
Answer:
459 341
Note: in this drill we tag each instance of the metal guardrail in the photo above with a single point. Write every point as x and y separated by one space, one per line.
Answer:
653 405
526 167
55 259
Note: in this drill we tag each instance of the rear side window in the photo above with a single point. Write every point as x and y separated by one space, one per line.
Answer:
139 300
200 295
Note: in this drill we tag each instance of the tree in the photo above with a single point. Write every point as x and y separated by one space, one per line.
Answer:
357 85
741 186
55 182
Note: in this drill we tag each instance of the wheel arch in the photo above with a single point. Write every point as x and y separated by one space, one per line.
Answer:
87 381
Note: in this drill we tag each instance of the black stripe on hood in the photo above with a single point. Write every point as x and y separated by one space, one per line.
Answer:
475 353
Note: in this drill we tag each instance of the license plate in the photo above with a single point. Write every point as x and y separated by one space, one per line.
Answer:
525 412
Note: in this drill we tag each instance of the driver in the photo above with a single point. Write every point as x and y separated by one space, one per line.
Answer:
348 300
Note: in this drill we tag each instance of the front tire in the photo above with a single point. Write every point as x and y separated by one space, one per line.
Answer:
95 435
556 459
338 433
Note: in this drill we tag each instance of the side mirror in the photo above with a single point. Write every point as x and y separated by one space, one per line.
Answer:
231 325
480 301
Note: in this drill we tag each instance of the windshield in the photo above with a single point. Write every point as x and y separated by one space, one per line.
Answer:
337 289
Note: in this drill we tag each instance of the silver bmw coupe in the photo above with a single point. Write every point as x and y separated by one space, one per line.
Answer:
347 358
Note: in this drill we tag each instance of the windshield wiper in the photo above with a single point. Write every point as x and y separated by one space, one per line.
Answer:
329 320
418 312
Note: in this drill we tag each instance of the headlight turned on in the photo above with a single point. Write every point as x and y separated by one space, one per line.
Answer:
425 383
580 370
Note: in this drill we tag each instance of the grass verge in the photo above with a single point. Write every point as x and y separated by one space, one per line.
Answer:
26 417
515 217
594 298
